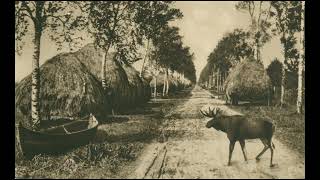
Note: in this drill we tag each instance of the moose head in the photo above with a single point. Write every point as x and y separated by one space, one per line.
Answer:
214 113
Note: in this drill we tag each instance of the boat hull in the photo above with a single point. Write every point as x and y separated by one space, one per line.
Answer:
34 142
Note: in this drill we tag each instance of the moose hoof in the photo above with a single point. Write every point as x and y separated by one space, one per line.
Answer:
229 163
273 165
257 159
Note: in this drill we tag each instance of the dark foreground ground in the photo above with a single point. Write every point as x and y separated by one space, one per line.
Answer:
167 139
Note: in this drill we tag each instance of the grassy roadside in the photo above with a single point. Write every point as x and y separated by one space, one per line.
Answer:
118 142
290 126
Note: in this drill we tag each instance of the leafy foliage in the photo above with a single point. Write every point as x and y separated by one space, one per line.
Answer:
151 16
60 19
169 53
275 73
259 12
111 26
229 51
287 15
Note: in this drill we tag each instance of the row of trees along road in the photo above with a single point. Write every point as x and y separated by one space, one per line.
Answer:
169 54
123 26
289 25
229 51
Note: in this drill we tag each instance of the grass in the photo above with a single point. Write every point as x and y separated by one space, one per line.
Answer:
118 142
290 126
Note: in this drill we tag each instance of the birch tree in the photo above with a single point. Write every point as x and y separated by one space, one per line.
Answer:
150 17
301 60
259 17
110 26
287 17
57 19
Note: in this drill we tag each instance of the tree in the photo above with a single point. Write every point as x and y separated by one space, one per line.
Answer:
287 16
110 24
164 46
301 60
229 51
274 71
259 16
59 20
150 17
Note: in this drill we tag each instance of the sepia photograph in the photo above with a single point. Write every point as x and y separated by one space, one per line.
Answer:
160 89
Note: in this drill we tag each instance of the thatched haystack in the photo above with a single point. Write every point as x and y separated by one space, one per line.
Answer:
67 88
136 85
116 78
147 88
248 81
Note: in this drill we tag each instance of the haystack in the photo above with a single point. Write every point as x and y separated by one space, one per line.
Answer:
147 88
118 89
136 85
67 88
248 81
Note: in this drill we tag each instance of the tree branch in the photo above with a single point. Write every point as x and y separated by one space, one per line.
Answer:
259 14
27 8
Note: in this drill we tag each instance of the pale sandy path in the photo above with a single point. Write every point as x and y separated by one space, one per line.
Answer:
193 151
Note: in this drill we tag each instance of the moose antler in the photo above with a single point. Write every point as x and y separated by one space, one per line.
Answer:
211 113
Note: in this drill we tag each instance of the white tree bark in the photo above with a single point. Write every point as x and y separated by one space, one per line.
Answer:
300 66
155 87
103 70
167 90
35 86
164 84
282 85
144 59
283 78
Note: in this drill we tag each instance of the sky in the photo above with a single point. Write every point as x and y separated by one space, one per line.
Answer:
203 25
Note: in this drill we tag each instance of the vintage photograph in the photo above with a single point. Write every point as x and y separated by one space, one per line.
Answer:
160 89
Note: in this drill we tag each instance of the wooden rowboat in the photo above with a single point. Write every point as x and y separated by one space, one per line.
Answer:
59 138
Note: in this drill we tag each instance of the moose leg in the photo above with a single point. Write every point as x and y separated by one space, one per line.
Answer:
231 147
243 147
264 149
271 150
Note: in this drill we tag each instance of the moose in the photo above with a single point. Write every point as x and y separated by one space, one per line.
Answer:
239 128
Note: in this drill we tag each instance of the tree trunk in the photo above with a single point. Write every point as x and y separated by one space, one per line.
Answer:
35 86
258 52
103 70
213 80
282 86
155 87
167 90
283 78
217 80
144 59
300 67
164 84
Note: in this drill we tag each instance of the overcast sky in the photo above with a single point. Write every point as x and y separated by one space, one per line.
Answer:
203 25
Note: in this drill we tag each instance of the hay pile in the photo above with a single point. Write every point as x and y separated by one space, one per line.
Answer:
117 82
248 81
137 93
67 89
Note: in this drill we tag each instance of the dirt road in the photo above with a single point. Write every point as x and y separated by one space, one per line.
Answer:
188 149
